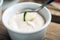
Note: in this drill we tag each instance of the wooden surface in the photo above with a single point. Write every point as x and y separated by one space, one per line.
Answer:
53 30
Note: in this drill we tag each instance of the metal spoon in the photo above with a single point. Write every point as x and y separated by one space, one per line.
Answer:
37 10
41 7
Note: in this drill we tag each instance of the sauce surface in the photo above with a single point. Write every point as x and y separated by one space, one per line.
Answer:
33 22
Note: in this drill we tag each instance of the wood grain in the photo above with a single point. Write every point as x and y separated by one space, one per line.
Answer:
53 32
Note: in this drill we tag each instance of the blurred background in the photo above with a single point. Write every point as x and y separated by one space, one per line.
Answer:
53 31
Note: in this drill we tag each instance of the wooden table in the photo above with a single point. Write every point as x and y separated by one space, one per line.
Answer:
53 30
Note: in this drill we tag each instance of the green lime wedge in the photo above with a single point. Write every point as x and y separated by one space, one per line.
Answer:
24 18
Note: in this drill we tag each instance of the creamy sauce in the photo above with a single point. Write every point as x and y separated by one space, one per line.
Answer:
33 22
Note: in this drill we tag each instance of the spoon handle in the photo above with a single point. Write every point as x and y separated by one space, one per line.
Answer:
46 3
43 5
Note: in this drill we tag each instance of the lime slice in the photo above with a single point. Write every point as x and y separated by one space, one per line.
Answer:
24 16
29 16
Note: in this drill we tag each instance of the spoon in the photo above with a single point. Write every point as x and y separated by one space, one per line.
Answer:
38 9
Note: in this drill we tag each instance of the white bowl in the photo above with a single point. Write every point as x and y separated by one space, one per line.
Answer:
35 35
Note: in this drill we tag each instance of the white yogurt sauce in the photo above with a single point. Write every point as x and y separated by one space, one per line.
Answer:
33 22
